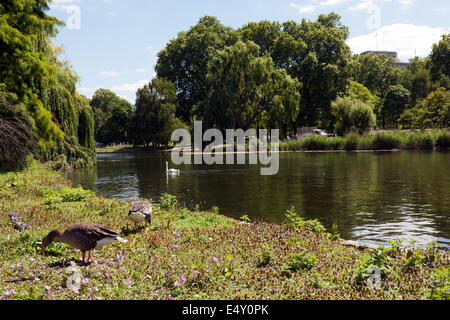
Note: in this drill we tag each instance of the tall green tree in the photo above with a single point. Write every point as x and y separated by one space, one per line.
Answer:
112 116
417 79
352 114
435 110
395 102
246 91
440 59
155 119
264 33
34 80
360 92
376 72
184 61
316 54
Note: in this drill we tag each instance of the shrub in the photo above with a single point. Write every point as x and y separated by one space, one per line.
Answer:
369 266
418 140
293 219
351 141
440 286
387 140
300 261
66 194
168 201
443 139
315 143
352 113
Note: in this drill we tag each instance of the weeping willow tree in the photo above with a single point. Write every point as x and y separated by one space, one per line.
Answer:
41 87
16 138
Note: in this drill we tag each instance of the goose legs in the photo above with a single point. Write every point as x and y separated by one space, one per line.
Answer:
83 255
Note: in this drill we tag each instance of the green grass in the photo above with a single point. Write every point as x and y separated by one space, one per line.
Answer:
199 255
382 140
114 149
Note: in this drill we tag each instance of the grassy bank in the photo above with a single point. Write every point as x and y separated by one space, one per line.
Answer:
115 149
382 140
201 255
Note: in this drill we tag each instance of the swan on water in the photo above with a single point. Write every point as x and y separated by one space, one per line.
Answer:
171 171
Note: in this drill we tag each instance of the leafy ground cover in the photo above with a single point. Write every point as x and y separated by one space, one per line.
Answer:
195 254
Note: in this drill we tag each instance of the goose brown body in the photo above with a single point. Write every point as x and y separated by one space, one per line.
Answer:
84 236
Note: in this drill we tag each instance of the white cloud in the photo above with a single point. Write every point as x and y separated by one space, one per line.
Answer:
366 4
327 3
88 92
130 87
363 5
407 39
141 70
64 1
112 74
405 4
303 9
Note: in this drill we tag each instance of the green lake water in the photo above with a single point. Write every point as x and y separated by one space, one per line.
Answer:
372 197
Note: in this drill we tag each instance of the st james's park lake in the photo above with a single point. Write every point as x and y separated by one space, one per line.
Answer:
372 196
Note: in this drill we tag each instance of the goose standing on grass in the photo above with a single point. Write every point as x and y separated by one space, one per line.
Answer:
140 211
84 236
171 171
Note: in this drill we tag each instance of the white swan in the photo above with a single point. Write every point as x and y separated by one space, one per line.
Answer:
171 171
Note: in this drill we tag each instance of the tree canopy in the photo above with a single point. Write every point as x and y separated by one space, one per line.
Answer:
245 91
154 119
112 116
39 85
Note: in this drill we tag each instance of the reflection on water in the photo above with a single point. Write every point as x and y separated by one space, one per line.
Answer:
372 197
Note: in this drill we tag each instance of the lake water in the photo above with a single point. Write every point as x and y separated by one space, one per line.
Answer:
372 197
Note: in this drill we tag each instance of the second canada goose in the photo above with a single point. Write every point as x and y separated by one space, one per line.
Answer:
140 211
84 236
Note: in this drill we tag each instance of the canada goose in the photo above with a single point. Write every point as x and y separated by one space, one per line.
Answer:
140 211
171 171
84 236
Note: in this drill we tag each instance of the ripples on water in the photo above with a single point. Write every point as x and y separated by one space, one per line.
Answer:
372 197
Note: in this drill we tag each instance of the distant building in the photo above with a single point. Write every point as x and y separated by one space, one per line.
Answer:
392 54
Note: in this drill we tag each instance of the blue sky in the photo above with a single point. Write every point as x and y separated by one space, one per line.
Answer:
113 43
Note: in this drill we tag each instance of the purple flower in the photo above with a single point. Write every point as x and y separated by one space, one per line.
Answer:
127 283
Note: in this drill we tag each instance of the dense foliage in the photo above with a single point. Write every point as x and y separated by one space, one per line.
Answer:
154 118
223 77
41 87
112 116
262 75
198 255
352 115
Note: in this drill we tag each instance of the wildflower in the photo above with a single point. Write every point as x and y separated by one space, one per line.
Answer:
127 283
12 292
